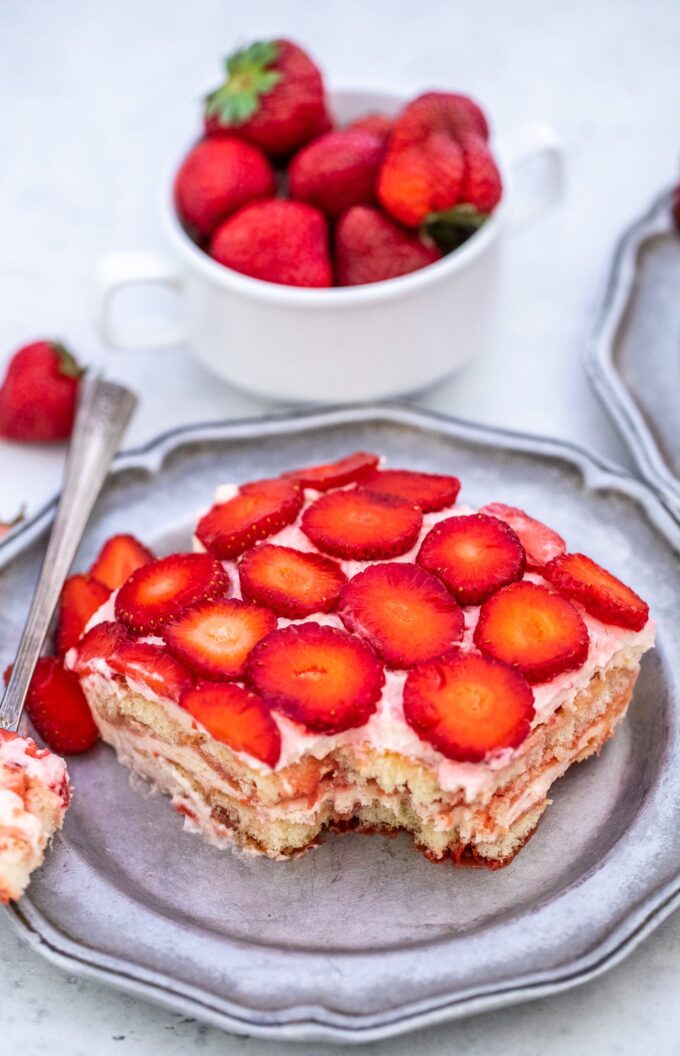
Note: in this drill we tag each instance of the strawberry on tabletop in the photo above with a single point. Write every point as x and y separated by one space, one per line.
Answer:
38 395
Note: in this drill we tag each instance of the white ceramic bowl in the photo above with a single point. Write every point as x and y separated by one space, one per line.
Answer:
342 344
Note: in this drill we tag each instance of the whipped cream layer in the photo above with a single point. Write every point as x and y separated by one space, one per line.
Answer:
40 765
387 729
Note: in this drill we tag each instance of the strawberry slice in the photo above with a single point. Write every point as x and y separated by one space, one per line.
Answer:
117 560
468 706
139 661
98 644
58 709
237 717
161 590
319 676
601 594
406 614
215 638
81 596
150 665
362 525
290 582
540 543
258 510
473 556
429 491
346 470
533 629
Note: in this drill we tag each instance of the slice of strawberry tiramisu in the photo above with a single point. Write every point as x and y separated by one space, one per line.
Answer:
34 796
351 648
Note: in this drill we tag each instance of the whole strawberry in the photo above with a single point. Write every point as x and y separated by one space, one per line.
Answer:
38 395
337 170
273 96
278 241
216 178
438 157
369 247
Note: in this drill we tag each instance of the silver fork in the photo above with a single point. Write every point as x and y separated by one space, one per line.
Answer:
104 410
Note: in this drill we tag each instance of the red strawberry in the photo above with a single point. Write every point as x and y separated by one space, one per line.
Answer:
337 170
276 241
421 178
158 592
150 665
214 639
468 706
473 556
81 596
540 543
58 709
38 395
289 582
601 594
98 644
379 125
258 510
236 717
406 614
362 525
346 470
429 491
118 558
482 187
533 629
370 247
216 178
425 169
273 96
319 676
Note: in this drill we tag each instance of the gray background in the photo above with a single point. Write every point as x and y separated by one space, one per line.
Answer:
97 103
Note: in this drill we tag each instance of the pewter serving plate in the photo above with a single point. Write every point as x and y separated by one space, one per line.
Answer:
634 353
364 938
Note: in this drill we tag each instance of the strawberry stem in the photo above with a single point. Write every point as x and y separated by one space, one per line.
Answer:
450 228
248 77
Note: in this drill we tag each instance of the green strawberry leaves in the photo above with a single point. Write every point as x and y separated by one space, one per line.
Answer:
249 76
450 228
68 364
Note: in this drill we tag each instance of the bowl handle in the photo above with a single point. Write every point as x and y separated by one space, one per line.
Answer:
116 270
535 146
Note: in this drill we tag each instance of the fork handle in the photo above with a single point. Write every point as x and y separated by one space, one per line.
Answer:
104 410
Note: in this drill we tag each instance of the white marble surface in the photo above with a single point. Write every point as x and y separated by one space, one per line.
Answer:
97 101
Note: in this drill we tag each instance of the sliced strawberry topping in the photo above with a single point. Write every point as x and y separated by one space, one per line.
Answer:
429 491
534 629
98 644
540 543
215 638
150 665
468 706
237 717
601 594
81 596
406 614
362 525
473 556
319 676
346 470
58 709
290 582
258 510
161 590
118 559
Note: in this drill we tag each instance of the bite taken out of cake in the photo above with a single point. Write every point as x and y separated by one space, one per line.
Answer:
34 796
351 648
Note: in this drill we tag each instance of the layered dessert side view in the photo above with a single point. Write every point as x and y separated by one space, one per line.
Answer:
350 648
34 796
